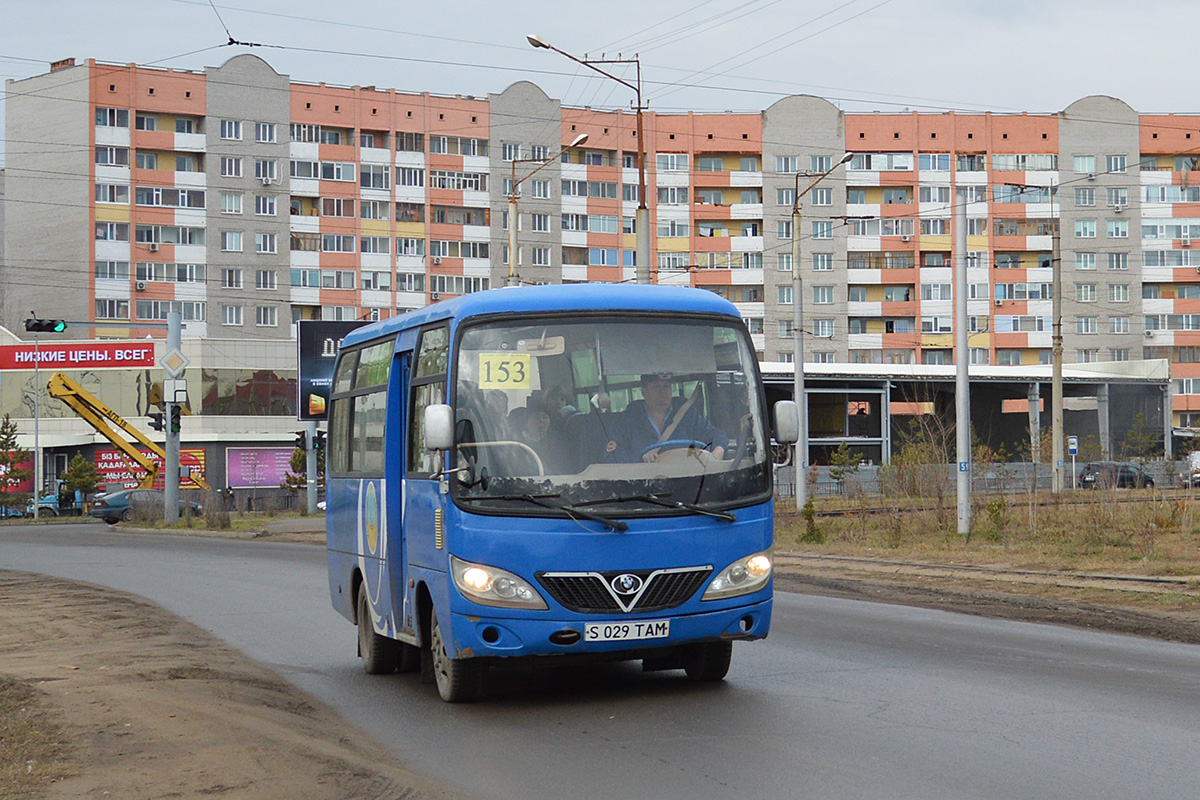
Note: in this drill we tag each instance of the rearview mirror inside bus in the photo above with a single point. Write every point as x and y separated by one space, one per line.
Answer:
543 345
787 422
439 427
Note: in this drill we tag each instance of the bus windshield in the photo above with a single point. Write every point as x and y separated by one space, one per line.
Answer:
615 414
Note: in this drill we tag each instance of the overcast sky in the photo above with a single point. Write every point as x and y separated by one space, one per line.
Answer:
704 55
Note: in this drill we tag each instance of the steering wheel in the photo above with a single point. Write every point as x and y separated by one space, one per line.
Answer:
674 444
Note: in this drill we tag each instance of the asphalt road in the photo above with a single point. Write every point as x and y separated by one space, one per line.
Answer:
845 699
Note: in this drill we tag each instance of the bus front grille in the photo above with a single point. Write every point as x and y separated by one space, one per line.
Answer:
629 591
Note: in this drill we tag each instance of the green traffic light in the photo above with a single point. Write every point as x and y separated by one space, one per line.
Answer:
60 325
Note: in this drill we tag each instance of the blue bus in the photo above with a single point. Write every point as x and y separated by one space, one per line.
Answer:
566 472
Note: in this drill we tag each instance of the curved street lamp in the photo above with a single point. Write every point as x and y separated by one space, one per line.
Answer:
800 461
642 268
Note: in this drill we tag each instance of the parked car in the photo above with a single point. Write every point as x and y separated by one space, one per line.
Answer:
1109 474
123 506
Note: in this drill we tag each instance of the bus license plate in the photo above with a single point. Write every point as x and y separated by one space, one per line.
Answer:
620 631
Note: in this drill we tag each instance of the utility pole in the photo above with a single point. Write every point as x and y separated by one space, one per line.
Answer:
1056 387
170 412
310 460
962 394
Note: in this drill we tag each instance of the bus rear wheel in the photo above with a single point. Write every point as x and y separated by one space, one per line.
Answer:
708 661
380 655
459 680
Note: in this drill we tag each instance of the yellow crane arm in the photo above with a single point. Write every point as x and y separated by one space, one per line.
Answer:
98 415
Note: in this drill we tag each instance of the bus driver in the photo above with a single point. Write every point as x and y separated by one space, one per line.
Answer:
661 417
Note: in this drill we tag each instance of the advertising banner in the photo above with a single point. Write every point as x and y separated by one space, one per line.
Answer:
317 342
115 473
257 467
84 355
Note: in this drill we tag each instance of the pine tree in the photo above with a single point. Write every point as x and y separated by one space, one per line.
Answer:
82 476
13 471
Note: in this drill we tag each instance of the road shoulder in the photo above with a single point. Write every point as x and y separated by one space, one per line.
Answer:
152 706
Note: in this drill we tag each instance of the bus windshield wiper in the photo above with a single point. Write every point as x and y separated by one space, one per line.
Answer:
570 510
657 500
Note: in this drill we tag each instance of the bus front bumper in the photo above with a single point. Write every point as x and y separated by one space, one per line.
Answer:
484 636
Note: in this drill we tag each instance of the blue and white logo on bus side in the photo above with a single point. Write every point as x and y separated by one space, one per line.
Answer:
372 551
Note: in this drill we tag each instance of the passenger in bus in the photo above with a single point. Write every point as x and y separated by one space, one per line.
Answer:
661 417
531 426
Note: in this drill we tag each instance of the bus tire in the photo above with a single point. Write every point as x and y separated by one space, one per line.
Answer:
380 655
459 680
708 661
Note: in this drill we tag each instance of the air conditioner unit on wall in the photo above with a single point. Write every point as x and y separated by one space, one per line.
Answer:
154 247
437 259
1149 334
435 295
141 286
267 181
999 301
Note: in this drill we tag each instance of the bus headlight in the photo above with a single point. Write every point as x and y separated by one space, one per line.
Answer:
490 586
743 576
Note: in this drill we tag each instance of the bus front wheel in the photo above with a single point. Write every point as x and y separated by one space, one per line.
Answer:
708 661
459 680
380 655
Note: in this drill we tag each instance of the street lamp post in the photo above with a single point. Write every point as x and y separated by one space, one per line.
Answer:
642 268
512 201
800 460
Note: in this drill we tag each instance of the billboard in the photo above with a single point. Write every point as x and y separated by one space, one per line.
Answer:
257 467
116 474
83 355
317 343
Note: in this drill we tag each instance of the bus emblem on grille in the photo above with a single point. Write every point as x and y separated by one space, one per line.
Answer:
626 584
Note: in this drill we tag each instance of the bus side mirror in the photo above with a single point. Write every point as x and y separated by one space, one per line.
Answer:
439 427
787 422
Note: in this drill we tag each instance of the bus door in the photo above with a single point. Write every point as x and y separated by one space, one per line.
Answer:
423 502
403 599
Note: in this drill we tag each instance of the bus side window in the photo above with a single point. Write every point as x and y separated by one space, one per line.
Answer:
429 388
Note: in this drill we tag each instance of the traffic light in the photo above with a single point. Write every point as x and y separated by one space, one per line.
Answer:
156 422
46 325
302 441
319 441
176 418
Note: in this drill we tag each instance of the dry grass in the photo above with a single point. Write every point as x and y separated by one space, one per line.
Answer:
1120 532
32 743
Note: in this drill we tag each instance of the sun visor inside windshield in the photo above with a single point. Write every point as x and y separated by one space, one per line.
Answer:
635 349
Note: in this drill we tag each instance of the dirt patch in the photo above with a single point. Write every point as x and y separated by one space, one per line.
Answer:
118 698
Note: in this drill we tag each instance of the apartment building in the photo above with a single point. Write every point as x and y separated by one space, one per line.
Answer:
257 200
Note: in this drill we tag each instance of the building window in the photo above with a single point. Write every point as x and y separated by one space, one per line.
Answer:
337 243
231 278
231 129
824 230
1118 229
266 170
375 244
266 316
1085 196
112 309
785 295
822 295
112 270
541 256
264 206
1118 324
231 315
672 162
112 193
1116 164
786 165
231 167
374 176
1085 229
1118 354
1118 261
231 241
112 117
1085 292
265 243
145 122
1085 261
1085 165
1085 324
1118 292
264 279
265 132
